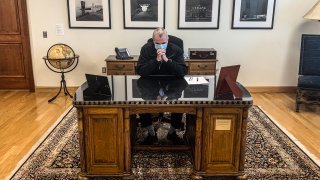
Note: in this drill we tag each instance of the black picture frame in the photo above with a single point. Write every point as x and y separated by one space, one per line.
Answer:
253 14
198 14
143 16
89 14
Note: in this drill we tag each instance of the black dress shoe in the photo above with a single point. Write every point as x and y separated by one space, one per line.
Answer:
149 140
175 139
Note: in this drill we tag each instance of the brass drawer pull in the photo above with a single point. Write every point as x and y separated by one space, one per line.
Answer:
202 67
120 66
203 55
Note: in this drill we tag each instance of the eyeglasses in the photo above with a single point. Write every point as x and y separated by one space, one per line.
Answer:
161 43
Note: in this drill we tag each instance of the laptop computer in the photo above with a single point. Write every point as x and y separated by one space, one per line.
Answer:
98 88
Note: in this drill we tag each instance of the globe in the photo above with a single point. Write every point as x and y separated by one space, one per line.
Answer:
61 59
61 56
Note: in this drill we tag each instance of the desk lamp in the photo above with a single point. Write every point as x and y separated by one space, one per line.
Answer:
314 12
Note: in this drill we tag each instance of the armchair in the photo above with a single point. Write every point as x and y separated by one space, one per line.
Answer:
308 89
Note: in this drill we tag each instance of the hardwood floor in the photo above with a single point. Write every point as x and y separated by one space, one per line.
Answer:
25 117
305 125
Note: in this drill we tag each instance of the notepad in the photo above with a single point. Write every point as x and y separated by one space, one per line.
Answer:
196 80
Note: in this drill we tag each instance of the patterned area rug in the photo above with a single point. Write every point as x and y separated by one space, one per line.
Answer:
270 155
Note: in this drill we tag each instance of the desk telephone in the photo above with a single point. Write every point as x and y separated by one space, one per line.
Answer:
122 53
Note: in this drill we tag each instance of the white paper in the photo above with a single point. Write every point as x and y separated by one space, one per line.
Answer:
59 30
196 80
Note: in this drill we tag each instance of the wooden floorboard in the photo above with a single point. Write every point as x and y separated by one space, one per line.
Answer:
25 117
305 125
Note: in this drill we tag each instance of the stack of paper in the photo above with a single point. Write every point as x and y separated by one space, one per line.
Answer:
196 80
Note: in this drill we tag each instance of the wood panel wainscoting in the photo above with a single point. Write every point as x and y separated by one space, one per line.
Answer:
15 60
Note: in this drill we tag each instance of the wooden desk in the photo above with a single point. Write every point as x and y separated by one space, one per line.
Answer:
216 135
127 67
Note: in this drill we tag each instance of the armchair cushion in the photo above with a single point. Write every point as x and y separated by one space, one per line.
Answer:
310 65
309 82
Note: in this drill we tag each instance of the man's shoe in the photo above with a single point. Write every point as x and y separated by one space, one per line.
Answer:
149 140
175 139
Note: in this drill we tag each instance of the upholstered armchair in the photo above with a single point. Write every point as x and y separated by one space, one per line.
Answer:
308 89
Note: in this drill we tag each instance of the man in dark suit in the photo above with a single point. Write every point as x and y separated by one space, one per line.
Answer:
160 57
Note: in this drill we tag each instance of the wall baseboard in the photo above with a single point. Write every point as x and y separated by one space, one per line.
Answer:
54 89
272 89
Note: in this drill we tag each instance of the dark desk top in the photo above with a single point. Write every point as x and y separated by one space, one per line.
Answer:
135 90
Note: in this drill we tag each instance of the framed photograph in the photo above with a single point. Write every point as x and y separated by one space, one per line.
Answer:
143 14
89 14
198 14
253 14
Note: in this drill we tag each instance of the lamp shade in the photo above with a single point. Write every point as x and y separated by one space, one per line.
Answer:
314 12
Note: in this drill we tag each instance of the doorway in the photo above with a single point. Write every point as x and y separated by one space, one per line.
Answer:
15 52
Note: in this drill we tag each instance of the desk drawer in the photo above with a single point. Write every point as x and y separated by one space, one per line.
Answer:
120 66
117 72
201 66
211 72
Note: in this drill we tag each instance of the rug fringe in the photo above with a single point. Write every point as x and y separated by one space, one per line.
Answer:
36 145
313 157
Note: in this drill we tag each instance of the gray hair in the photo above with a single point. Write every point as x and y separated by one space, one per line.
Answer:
160 31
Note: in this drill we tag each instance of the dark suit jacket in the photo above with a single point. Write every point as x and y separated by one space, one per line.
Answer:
148 64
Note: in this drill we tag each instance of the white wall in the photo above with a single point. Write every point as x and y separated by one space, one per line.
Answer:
267 57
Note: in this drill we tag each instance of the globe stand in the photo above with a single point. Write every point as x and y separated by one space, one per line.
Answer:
58 63
64 85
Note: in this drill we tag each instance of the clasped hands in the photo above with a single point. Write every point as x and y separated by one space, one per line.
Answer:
162 98
161 55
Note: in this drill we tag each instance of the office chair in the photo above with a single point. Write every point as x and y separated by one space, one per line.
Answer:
308 89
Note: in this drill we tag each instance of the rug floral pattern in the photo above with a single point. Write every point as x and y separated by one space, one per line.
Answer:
270 154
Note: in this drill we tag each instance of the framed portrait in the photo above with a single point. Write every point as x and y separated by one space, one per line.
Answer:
143 14
89 14
198 14
253 14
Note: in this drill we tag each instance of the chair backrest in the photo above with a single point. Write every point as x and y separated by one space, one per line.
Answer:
310 55
173 39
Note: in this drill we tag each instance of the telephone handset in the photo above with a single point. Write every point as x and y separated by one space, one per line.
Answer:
122 53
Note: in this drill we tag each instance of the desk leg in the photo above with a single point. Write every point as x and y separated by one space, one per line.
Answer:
198 145
243 177
82 177
127 146
196 177
81 141
243 143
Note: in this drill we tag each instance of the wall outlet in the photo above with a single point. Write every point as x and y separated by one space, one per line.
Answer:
104 69
44 34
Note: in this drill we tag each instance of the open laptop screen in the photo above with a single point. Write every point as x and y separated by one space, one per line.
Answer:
98 87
